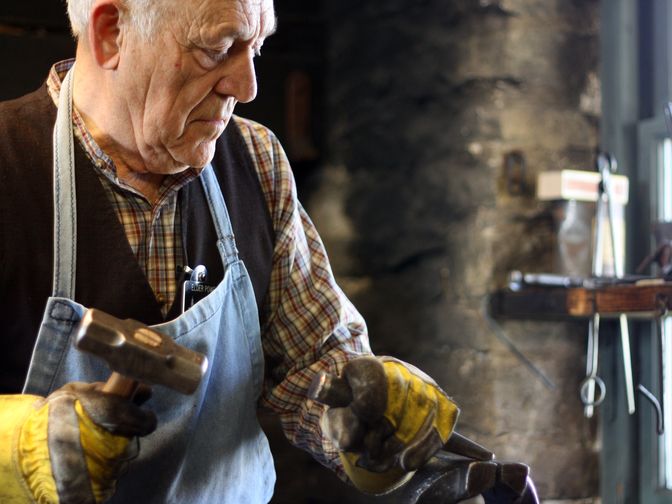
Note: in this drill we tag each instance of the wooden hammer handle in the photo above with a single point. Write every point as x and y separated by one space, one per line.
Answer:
118 384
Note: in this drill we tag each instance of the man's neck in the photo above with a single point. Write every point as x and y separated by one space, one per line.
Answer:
129 166
104 122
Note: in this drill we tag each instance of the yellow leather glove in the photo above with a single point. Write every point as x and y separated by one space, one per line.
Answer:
68 447
397 420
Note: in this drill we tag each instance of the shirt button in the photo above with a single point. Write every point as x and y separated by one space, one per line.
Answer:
161 298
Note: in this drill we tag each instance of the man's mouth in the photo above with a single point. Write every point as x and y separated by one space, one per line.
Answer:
213 122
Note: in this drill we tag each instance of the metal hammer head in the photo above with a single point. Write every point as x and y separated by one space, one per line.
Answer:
139 352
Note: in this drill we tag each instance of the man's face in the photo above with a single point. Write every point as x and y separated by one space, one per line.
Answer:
181 87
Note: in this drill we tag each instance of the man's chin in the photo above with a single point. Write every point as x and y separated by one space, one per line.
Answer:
197 157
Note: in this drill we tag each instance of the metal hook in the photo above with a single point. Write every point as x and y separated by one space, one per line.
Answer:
660 425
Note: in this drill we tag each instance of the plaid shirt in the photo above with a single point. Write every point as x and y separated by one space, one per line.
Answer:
310 324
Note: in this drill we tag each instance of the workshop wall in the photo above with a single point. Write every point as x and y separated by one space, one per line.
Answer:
429 102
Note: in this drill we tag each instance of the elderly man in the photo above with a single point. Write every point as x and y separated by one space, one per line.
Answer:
126 171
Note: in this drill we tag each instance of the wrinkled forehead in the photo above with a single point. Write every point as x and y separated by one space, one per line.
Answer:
244 19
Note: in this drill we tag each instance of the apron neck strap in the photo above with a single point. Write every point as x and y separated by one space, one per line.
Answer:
65 205
220 216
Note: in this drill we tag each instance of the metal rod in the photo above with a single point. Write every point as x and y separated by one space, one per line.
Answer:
627 363
501 335
661 315
592 361
607 169
593 348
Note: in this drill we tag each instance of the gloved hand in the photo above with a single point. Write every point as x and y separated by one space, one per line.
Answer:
397 419
68 447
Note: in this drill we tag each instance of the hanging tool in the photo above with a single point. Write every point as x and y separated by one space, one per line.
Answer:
607 168
592 380
605 211
659 404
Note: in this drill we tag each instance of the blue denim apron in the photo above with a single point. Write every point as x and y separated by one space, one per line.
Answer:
208 447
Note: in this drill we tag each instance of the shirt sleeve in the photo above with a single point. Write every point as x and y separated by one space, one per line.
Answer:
310 323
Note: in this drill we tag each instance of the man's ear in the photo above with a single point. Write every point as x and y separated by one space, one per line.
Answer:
104 33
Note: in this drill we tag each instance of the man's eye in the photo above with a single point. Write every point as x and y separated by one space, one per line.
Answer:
210 58
217 56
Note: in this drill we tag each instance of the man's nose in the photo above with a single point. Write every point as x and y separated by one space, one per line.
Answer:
240 81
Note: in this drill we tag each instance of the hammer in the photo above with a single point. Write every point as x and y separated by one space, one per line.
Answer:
136 353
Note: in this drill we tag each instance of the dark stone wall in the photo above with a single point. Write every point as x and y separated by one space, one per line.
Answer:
427 101
33 35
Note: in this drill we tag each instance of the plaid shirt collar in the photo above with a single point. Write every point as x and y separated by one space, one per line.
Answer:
103 163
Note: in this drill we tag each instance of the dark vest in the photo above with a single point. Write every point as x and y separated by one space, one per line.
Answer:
108 277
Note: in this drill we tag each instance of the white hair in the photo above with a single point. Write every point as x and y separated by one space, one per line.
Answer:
142 14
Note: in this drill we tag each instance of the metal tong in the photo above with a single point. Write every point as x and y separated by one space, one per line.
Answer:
606 166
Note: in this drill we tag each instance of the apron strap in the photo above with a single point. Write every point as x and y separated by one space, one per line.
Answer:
65 205
220 215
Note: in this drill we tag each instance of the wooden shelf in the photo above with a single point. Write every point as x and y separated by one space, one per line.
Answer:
636 300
